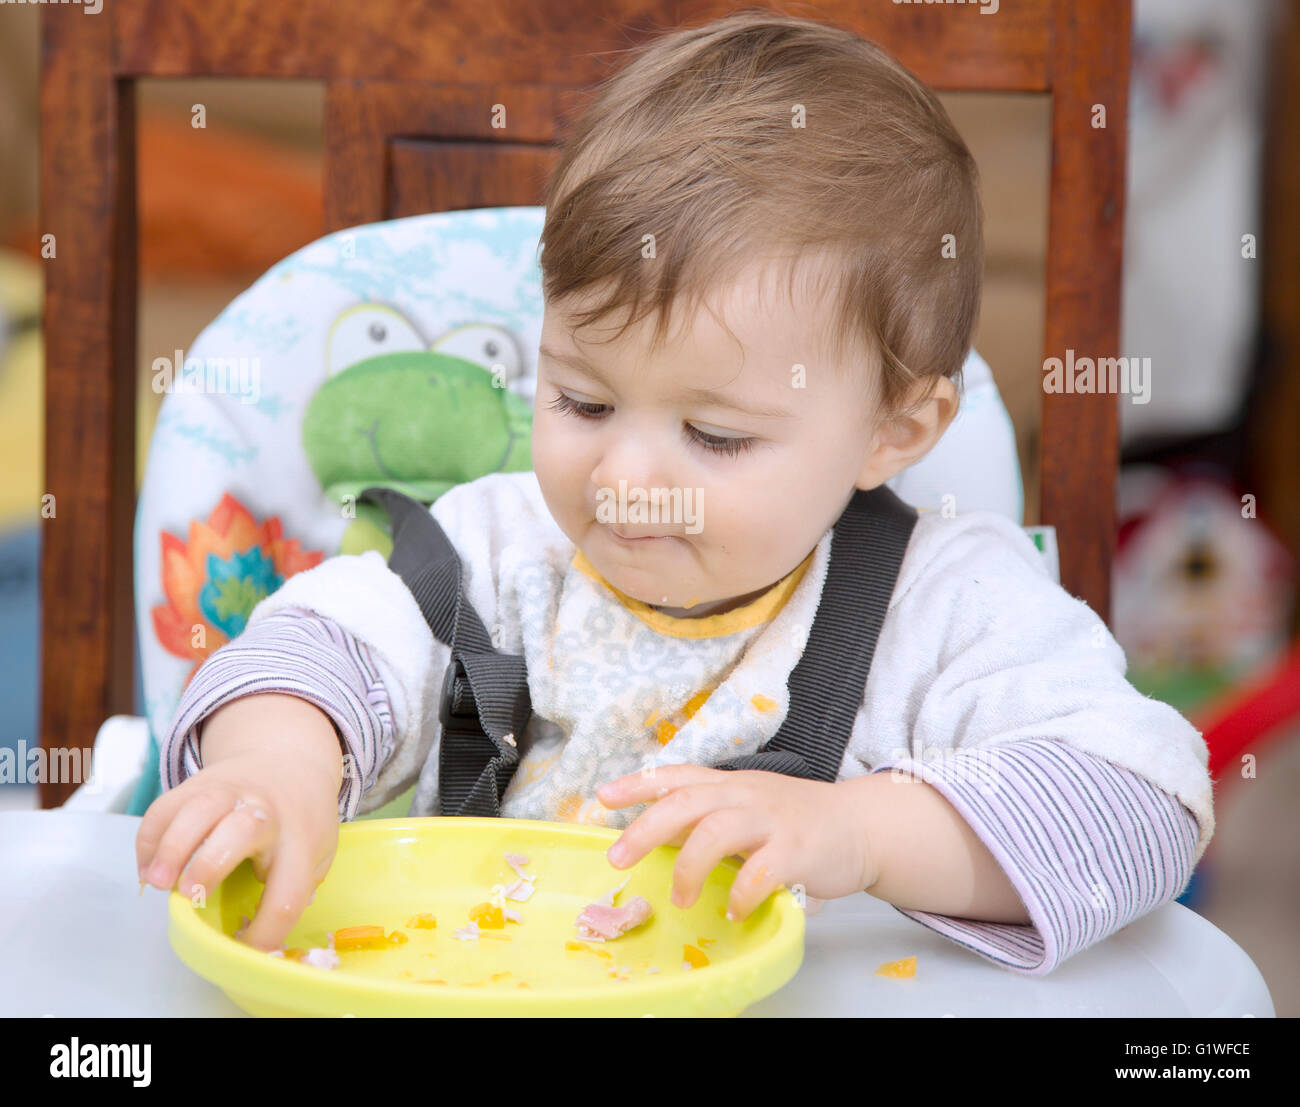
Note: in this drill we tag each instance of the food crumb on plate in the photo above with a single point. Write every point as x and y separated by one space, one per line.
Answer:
488 916
359 937
604 921
468 933
321 958
693 957
520 890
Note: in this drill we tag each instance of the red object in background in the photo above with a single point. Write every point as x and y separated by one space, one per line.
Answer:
1257 712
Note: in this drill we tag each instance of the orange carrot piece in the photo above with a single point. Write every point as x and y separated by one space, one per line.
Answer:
488 916
359 937
694 957
901 969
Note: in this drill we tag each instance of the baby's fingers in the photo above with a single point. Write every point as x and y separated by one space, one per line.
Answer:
156 820
290 884
244 832
191 821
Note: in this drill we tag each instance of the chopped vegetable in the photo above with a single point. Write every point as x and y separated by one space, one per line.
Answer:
488 916
694 957
360 937
904 968
422 922
580 948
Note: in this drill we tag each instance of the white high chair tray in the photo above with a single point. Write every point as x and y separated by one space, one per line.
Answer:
77 940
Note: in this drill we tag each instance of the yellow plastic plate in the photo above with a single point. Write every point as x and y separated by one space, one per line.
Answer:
388 870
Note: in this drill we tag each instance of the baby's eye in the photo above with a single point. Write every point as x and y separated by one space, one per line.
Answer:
566 405
714 444
731 447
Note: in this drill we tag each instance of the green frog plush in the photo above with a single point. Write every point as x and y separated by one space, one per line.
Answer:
419 421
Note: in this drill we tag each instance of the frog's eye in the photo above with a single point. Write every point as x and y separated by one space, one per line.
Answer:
487 345
368 330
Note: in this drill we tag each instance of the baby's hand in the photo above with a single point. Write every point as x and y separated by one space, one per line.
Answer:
791 830
269 791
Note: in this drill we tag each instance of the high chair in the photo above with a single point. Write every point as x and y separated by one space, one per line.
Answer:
237 494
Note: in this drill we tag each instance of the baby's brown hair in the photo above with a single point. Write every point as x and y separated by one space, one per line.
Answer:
697 141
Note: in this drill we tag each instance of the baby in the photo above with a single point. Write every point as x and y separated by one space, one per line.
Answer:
761 260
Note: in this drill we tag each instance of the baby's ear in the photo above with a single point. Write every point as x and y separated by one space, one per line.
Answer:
905 438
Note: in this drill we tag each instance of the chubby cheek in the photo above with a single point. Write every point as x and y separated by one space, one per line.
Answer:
560 475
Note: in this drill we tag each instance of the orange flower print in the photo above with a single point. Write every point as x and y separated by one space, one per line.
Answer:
213 581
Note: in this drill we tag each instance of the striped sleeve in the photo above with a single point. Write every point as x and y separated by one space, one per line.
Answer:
1089 846
296 652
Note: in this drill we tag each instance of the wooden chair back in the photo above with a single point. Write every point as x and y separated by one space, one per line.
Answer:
408 94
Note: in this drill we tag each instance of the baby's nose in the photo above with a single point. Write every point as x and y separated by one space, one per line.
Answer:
635 461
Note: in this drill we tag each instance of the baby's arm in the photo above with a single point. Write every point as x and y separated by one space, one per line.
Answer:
1091 799
349 637
1076 846
296 653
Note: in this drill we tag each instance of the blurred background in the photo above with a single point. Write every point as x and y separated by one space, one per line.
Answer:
1204 606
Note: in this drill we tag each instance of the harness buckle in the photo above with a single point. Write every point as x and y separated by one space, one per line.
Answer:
447 716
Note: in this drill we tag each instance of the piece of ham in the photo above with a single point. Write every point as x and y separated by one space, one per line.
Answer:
520 890
603 922
515 860
608 898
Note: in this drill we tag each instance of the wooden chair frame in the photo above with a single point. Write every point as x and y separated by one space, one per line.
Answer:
407 130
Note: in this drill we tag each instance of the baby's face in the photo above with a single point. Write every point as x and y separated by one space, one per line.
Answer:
762 459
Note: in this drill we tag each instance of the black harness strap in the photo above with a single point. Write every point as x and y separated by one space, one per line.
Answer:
485 702
827 684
